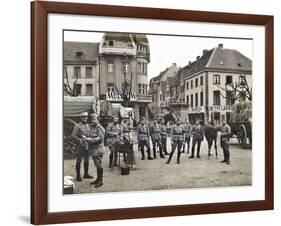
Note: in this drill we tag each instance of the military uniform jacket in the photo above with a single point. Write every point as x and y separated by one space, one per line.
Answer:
113 133
163 131
187 130
177 133
155 132
143 132
197 132
225 132
125 132
79 130
96 146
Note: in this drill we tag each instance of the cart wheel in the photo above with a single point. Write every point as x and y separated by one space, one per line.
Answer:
242 135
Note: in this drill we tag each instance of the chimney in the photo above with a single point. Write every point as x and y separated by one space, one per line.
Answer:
197 57
205 51
189 62
220 45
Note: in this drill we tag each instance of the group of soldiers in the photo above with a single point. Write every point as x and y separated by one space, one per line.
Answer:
181 135
89 137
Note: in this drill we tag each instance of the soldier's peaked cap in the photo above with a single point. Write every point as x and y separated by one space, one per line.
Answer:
84 114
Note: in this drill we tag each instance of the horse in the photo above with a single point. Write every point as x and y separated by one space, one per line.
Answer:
211 135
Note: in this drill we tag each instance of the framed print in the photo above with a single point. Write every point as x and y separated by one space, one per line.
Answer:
147 112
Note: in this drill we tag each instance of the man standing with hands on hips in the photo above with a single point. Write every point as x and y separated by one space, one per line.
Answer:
96 148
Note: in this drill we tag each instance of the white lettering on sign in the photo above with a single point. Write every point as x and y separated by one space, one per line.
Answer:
196 109
219 108
116 96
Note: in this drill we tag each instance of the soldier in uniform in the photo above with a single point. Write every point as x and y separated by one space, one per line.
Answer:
156 138
80 131
143 138
187 133
225 136
96 148
197 137
163 133
113 134
177 139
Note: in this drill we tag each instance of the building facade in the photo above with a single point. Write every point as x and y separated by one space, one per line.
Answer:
208 83
123 61
201 89
81 70
158 90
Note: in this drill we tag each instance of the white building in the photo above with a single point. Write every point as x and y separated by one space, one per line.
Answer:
209 78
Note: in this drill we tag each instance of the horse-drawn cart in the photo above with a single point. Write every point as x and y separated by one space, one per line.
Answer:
241 123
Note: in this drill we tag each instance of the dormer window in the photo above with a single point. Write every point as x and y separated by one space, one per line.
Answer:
79 54
239 64
110 43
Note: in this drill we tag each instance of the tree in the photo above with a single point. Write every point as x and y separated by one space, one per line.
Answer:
240 91
73 90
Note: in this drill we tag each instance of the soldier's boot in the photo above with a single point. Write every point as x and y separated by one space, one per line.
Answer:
161 153
86 171
178 158
154 152
183 148
115 158
192 153
96 180
142 154
188 148
100 178
78 176
110 160
169 159
149 156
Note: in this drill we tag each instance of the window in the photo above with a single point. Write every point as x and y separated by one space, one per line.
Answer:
201 99
216 79
196 82
89 89
89 72
191 100
187 99
228 79
79 55
201 81
191 84
77 72
77 89
111 43
217 97
228 98
110 65
110 87
196 100
139 88
126 67
187 85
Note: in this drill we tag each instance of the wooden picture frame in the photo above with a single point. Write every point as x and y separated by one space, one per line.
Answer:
39 112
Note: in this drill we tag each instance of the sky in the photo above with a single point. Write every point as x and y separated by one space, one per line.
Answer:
166 50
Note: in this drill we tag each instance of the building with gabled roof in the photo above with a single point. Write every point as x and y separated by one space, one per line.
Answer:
159 91
207 79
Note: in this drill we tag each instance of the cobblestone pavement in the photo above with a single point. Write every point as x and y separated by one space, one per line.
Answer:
156 174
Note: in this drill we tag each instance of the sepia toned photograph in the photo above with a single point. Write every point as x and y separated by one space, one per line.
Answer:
145 112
